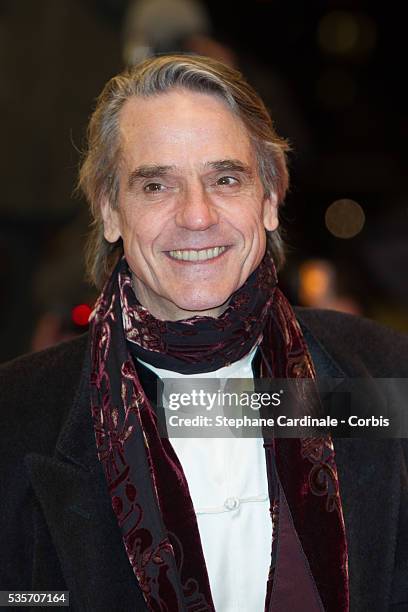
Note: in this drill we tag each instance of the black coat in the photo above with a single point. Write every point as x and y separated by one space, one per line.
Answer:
57 527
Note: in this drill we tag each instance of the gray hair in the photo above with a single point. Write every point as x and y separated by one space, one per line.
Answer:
98 177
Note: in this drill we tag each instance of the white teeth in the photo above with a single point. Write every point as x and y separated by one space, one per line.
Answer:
202 255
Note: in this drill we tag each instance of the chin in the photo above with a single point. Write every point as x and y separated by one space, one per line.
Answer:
203 303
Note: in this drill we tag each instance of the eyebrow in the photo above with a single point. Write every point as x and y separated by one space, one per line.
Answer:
230 164
143 172
155 170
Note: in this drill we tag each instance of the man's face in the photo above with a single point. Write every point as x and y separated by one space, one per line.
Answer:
191 211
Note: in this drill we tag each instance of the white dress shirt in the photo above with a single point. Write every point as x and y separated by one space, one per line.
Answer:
228 486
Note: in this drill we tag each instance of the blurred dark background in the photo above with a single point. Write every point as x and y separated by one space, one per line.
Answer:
332 74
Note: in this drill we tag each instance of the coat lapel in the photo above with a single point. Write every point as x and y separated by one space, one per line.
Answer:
72 493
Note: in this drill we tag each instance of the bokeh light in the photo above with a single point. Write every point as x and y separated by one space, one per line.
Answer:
80 314
344 218
316 278
345 33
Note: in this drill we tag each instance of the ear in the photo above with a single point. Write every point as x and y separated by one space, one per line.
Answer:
110 216
270 212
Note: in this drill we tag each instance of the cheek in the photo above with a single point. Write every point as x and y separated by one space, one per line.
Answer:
141 235
249 219
135 228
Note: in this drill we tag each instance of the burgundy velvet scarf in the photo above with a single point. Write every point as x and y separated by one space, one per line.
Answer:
148 488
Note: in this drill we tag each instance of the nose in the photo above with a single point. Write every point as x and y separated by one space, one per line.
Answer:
195 210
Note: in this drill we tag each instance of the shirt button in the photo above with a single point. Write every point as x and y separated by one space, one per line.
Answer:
231 503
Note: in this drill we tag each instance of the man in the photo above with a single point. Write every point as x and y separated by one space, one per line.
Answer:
184 175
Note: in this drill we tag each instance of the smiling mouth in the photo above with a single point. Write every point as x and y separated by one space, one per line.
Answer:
197 255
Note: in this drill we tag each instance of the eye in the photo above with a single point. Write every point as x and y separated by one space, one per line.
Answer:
229 181
153 187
